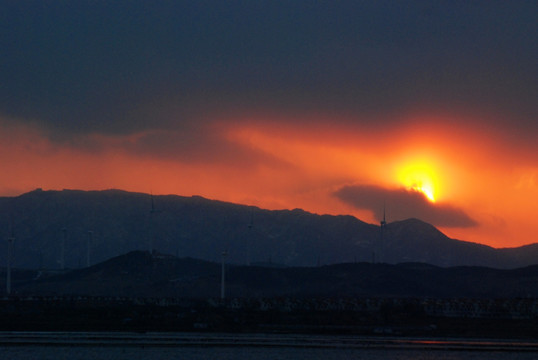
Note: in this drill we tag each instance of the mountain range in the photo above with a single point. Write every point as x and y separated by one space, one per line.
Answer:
55 229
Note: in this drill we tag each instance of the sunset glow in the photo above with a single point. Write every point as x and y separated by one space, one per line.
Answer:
332 107
419 176
288 167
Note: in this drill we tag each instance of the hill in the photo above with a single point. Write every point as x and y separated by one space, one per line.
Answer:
139 274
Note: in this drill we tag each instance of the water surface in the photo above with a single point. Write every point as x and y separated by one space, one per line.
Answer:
156 346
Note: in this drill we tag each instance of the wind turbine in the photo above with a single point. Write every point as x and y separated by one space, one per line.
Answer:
62 249
249 237
10 241
223 276
152 211
88 247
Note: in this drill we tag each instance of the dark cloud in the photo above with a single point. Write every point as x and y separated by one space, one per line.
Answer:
190 146
403 204
109 67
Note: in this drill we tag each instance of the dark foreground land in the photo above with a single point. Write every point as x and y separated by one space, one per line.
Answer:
507 319
144 292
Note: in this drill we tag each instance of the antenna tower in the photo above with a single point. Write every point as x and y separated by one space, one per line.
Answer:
382 227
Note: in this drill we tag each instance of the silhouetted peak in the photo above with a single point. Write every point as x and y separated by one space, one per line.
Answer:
417 225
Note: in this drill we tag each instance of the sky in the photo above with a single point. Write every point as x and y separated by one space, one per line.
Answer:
424 109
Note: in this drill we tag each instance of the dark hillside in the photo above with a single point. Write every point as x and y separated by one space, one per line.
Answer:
116 222
139 274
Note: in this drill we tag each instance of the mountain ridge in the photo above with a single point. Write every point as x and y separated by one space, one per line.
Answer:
117 221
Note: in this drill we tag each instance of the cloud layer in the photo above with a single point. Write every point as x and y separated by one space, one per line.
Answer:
131 66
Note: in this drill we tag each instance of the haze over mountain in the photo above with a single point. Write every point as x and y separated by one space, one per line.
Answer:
121 222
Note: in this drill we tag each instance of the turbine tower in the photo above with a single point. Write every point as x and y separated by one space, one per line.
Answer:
249 236
10 241
223 276
88 247
152 211
62 249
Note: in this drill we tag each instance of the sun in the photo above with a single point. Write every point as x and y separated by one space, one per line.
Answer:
419 176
